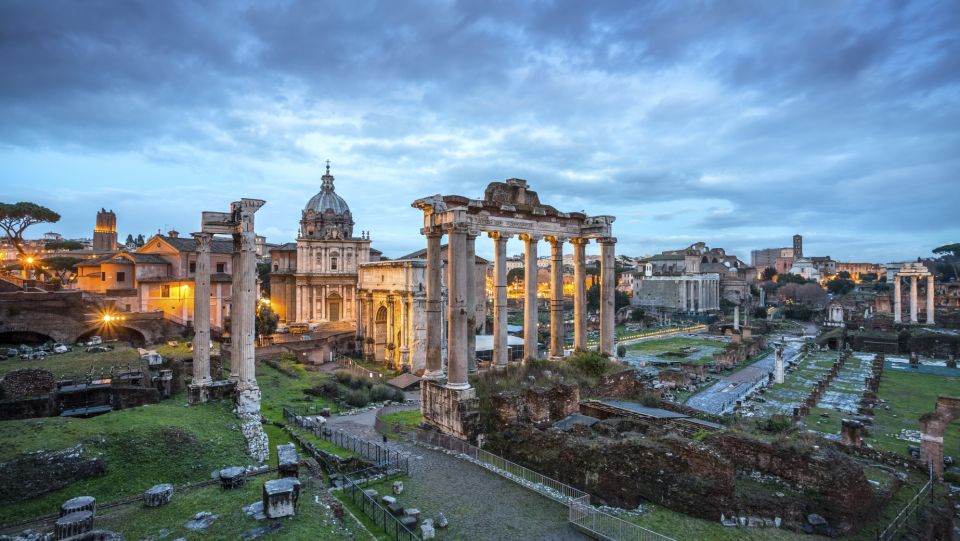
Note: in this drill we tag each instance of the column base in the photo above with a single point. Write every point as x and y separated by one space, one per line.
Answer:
197 394
457 386
433 375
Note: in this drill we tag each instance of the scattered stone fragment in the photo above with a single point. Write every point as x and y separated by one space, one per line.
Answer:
442 521
74 523
371 493
395 509
412 512
280 497
232 477
158 495
389 500
201 521
398 487
408 522
254 510
426 530
287 460
80 503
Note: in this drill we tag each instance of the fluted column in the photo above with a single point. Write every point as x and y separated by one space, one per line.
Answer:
235 325
501 348
579 294
471 297
457 299
608 284
530 317
913 299
434 370
201 311
897 310
556 297
930 305
244 308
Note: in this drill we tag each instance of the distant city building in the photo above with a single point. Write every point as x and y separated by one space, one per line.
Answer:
105 231
767 257
797 246
691 280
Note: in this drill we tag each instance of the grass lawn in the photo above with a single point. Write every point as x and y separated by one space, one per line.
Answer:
279 389
312 521
159 443
408 419
77 362
671 348
909 396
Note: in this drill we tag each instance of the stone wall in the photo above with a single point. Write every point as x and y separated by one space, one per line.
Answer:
536 406
622 384
27 382
35 474
452 412
736 353
28 408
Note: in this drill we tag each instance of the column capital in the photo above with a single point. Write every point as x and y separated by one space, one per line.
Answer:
498 235
607 240
529 237
203 240
579 241
554 239
432 231
472 234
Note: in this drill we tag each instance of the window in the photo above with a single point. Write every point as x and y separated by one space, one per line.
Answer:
165 291
221 267
126 308
276 267
333 263
193 266
103 277
121 276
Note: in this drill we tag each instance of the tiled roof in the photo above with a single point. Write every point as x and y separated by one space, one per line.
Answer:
219 245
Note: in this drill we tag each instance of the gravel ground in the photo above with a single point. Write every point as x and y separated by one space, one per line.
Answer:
479 504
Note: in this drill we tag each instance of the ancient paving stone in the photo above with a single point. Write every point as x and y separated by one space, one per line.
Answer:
201 521
254 510
261 531
232 477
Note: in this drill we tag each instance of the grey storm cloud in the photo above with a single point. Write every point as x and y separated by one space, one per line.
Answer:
690 120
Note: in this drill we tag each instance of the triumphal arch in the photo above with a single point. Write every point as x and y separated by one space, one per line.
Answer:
507 209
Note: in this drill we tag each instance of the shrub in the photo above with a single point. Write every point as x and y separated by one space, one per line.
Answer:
381 393
590 363
358 398
650 400
360 383
775 424
329 388
343 376
621 351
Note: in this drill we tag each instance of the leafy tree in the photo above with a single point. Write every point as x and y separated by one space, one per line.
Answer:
61 265
840 286
593 297
769 273
843 275
267 320
759 313
808 293
620 299
868 277
950 254
63 245
15 218
789 278
140 240
130 240
636 315
263 273
516 275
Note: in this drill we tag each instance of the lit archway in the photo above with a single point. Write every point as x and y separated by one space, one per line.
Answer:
380 334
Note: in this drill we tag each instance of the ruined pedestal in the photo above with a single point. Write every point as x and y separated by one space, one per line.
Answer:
232 477
287 460
851 432
451 411
158 495
197 394
72 524
80 503
280 497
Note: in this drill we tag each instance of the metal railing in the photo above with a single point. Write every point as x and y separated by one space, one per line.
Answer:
346 363
908 510
375 453
374 510
581 514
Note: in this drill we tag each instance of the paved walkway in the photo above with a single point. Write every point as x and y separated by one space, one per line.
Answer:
479 504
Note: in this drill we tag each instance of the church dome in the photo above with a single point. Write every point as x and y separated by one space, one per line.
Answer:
326 215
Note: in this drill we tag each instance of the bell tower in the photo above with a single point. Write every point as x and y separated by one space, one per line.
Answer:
105 232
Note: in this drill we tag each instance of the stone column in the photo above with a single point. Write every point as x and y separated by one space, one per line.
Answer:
930 306
471 298
390 354
235 326
501 348
682 286
530 317
579 294
913 299
736 317
608 284
201 311
457 298
556 297
244 309
778 368
434 370
897 310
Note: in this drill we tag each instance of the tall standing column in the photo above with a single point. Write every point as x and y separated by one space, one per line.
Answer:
235 323
201 311
897 310
579 294
501 348
390 354
471 297
608 284
457 298
434 369
530 317
913 299
930 307
556 297
244 308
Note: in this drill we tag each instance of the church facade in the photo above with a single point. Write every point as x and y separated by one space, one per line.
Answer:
314 281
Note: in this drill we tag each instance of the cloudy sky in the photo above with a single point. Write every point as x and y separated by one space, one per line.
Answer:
734 123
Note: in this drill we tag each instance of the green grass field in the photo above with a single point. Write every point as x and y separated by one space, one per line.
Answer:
407 419
670 348
909 396
77 362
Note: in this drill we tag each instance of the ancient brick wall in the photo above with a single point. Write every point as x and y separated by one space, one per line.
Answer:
34 474
27 382
623 384
27 408
537 406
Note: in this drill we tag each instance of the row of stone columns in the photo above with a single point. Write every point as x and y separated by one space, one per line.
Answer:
897 308
461 268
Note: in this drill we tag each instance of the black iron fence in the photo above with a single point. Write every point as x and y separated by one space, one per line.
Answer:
373 509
